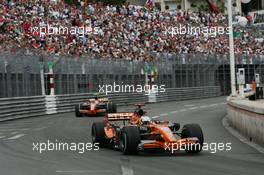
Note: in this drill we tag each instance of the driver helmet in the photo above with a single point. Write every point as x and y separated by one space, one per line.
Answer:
145 119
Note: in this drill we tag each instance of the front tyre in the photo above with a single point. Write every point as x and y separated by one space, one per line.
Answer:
193 130
98 134
111 107
130 138
77 111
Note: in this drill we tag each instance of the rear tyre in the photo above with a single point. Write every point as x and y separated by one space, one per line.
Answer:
111 107
101 114
193 130
98 134
114 108
77 111
130 138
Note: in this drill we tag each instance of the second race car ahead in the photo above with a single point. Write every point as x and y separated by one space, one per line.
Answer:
95 107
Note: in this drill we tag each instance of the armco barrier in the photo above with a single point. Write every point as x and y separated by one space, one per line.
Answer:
21 107
177 94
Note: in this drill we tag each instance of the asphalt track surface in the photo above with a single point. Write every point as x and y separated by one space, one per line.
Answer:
18 158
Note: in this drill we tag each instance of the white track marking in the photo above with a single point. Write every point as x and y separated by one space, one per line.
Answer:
189 105
13 133
126 167
193 108
156 117
39 129
84 171
2 137
16 137
22 129
182 110
127 171
14 129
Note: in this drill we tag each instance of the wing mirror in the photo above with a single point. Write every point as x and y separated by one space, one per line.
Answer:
175 127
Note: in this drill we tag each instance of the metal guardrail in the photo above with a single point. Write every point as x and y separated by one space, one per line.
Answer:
177 94
22 107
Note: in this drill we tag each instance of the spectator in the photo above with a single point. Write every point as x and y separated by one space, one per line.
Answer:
123 32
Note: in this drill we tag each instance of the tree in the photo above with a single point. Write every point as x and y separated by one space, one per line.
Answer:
72 2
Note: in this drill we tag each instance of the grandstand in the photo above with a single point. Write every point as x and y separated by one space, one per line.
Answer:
127 32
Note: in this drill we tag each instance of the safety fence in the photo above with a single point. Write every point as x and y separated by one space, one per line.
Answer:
22 107
20 74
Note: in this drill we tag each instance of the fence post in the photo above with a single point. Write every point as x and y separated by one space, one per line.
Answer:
42 79
51 78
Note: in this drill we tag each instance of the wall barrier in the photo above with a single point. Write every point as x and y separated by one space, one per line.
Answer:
22 107
247 117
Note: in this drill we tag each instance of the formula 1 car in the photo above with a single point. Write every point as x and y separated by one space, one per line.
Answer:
95 107
132 132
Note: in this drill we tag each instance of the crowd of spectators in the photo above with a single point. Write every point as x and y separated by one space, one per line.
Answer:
118 32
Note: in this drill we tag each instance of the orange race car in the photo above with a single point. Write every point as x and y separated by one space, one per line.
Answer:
132 132
95 107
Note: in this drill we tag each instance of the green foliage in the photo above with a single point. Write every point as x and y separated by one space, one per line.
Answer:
72 2
221 4
193 5
203 7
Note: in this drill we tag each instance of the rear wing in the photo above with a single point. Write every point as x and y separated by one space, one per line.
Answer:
100 99
119 116
103 99
139 105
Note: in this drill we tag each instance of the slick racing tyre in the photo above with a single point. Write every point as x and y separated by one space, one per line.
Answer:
77 111
111 107
98 134
130 138
193 130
